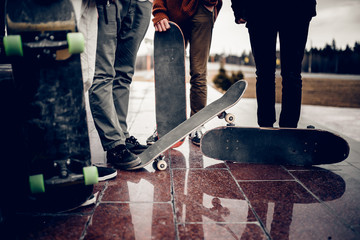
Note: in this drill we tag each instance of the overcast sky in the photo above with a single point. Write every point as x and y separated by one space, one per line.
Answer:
336 19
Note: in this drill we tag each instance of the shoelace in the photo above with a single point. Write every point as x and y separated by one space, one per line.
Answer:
133 140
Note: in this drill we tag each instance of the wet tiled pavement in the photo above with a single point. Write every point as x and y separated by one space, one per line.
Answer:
201 198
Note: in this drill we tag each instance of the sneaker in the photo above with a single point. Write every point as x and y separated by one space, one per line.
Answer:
134 146
195 136
152 139
89 201
106 173
121 157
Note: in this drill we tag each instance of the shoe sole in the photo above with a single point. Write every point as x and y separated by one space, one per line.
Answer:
195 143
128 165
90 201
150 143
107 177
137 151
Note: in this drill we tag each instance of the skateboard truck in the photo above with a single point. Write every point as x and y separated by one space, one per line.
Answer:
159 163
229 118
44 45
64 177
62 166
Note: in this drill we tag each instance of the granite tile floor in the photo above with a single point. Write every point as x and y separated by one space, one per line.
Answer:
201 198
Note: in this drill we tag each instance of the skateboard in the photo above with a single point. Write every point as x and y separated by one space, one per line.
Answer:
285 146
229 99
2 31
43 46
169 70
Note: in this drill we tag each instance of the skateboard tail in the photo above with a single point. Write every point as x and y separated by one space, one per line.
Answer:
299 147
334 149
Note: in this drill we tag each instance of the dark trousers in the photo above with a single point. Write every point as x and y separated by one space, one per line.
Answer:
293 36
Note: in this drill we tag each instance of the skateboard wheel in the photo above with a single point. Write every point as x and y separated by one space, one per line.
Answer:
91 175
161 165
37 184
230 118
13 45
76 42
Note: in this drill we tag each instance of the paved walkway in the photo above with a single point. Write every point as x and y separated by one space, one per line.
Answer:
201 198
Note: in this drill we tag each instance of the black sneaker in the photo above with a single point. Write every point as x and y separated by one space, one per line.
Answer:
134 146
106 173
195 136
121 157
152 139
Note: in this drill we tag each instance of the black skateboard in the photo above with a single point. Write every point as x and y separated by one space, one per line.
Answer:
229 99
169 69
283 146
43 46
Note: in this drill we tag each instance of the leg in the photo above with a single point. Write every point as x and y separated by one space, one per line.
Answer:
292 44
133 29
263 45
100 93
88 26
200 41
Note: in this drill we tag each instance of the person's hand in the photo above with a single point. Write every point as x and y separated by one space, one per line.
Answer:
240 21
162 25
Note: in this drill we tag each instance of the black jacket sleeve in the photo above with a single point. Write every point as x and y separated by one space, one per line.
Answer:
238 9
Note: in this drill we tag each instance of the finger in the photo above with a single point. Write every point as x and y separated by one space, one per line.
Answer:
167 25
158 27
163 25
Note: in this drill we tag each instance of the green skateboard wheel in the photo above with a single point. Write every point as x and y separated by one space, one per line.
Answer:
13 45
76 42
91 175
37 183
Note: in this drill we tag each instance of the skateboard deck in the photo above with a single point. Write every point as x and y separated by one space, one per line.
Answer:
2 31
285 146
229 99
169 70
45 60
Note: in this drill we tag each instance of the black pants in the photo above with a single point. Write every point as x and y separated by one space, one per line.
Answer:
293 36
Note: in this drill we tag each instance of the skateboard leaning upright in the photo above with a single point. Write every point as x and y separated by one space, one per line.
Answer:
229 99
169 69
285 146
43 46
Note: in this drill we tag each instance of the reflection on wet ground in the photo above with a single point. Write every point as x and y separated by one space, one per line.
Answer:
201 198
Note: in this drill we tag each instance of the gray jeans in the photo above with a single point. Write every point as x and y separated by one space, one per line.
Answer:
122 26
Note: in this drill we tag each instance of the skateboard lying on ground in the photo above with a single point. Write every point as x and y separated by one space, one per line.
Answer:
284 146
229 99
169 69
43 46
